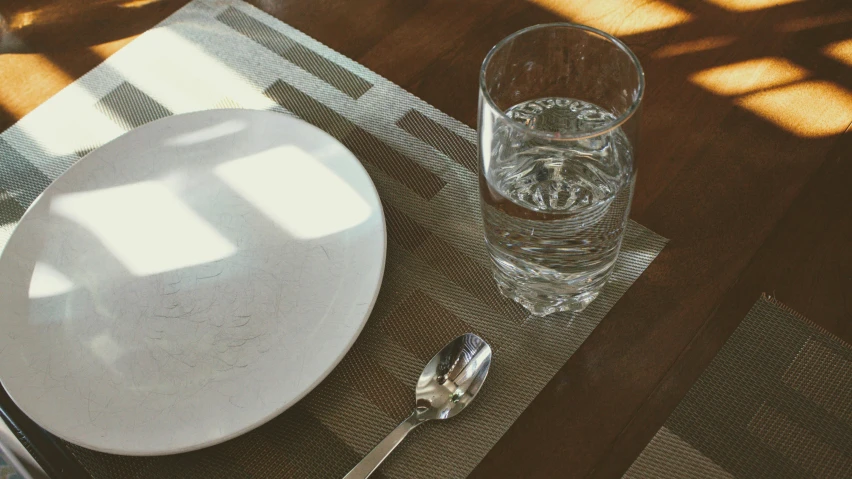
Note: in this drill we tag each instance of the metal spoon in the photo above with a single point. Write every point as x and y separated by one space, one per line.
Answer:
446 386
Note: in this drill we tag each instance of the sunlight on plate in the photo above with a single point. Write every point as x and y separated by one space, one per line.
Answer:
46 282
206 134
145 226
297 191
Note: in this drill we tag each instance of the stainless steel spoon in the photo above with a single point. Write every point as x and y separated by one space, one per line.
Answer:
446 386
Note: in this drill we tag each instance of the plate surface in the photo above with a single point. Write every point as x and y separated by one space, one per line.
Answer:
188 281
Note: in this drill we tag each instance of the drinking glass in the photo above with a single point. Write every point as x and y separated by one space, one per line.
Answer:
558 117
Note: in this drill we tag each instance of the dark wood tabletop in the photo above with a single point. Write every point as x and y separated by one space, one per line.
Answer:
745 164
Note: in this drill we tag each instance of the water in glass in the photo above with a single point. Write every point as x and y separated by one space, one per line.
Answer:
555 211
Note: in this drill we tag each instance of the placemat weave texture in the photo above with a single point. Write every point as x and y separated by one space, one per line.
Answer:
437 284
775 403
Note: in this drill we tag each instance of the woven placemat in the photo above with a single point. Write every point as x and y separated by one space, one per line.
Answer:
437 284
775 403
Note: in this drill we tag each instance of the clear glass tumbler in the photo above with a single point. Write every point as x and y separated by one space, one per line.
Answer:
558 117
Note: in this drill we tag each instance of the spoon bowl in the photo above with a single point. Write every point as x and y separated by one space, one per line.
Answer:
451 379
447 385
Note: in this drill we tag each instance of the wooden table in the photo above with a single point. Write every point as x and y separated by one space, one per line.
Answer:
745 163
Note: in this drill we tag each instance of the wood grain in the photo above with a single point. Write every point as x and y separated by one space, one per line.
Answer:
751 187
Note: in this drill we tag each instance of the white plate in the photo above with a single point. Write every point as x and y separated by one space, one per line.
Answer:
188 281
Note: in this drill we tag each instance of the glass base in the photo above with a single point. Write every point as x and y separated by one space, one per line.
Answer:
541 304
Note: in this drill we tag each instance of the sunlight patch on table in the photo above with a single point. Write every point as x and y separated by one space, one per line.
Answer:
693 46
840 51
619 17
104 50
808 109
42 76
136 3
145 226
748 76
808 23
749 5
23 19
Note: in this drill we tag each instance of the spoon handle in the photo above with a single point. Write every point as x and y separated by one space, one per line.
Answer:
375 457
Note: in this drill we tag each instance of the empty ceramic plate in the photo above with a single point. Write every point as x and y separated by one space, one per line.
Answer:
188 281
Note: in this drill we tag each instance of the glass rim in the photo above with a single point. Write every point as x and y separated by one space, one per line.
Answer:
555 135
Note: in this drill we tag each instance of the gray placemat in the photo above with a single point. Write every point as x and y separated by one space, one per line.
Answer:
437 285
775 403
